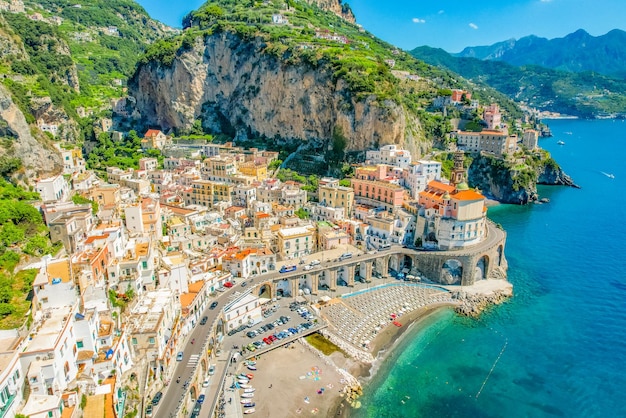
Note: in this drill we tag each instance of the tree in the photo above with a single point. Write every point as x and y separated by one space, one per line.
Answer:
302 214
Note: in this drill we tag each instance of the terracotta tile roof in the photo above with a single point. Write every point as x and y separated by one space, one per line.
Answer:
467 195
196 287
93 238
151 132
186 299
441 186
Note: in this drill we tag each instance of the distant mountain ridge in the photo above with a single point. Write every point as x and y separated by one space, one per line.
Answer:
576 52
584 94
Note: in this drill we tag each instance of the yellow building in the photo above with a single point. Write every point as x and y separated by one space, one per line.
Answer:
252 169
337 197
208 193
296 241
219 166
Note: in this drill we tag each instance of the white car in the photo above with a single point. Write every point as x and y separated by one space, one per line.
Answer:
205 383
308 267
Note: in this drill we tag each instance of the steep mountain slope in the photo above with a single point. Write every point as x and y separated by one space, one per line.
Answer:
63 61
289 74
576 52
581 94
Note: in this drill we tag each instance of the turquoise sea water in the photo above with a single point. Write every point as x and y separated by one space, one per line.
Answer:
558 348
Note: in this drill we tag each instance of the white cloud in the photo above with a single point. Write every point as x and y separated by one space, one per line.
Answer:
418 20
473 25
440 12
545 1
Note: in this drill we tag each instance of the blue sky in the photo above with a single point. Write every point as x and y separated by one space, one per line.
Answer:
455 24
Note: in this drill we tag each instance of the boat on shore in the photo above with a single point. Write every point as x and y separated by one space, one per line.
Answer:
243 381
251 367
249 405
249 390
249 411
247 395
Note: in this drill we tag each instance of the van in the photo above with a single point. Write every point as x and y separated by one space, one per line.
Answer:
315 263
345 256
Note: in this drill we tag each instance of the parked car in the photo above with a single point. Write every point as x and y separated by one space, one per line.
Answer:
157 398
149 410
205 383
251 334
211 369
228 284
201 399
213 305
244 284
179 356
204 320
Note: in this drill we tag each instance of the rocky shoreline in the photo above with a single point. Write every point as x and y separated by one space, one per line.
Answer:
473 304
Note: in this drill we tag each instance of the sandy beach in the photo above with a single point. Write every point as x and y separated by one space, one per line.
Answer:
287 380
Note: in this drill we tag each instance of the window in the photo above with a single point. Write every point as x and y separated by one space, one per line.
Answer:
79 344
133 341
151 340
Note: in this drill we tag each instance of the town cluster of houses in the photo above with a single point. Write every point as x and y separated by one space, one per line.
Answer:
494 139
163 241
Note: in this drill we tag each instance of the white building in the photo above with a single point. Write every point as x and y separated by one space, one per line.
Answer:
242 311
11 373
389 154
50 356
468 141
53 189
417 175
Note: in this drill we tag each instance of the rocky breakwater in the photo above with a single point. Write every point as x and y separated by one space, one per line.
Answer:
236 87
472 304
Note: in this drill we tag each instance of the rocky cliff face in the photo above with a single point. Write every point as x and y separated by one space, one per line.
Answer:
236 88
553 175
500 181
38 156
338 7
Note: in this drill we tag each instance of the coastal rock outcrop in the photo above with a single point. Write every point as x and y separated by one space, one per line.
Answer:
513 181
37 154
472 304
234 86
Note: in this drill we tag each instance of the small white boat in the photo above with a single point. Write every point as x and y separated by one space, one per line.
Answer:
245 386
243 381
249 411
251 363
251 367
249 390
245 401
560 143
247 395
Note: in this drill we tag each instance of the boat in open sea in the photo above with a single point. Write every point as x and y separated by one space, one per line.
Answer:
560 143
609 175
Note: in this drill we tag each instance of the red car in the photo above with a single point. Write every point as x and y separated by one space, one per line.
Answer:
267 340
273 338
228 284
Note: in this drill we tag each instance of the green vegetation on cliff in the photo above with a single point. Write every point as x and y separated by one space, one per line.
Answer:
22 232
369 66
79 53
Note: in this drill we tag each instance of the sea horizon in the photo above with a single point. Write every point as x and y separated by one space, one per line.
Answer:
554 349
